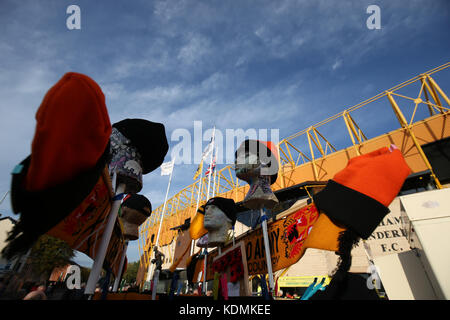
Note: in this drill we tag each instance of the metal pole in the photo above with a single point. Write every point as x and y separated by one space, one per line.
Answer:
99 259
215 173
204 269
155 284
122 261
267 249
160 223
210 163
6 193
196 207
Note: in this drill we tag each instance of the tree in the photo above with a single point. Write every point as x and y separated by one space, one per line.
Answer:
49 253
131 273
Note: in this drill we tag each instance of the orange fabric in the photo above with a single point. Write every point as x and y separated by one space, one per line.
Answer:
324 234
83 228
72 132
197 229
379 174
181 250
287 241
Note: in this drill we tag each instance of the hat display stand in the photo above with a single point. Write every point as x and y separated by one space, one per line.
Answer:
129 161
135 210
100 257
126 162
126 169
250 168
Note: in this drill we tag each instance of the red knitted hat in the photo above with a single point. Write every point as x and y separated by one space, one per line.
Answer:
72 132
69 152
358 196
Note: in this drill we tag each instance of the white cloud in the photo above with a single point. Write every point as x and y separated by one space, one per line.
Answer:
337 64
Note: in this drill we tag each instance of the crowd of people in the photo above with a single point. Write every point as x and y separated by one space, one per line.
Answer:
11 289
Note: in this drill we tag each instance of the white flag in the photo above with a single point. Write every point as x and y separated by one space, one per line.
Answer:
208 150
166 168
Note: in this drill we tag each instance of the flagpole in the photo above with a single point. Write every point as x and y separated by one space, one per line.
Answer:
215 172
210 162
267 250
207 198
198 201
150 273
6 193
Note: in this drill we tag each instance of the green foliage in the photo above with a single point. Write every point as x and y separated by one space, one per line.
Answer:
48 253
131 273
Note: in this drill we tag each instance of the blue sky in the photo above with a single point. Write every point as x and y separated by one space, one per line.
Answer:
249 64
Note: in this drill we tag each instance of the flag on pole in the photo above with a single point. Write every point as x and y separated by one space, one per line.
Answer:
212 168
209 148
166 168
199 170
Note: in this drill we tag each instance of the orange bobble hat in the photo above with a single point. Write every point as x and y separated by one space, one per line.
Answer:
359 195
69 152
352 205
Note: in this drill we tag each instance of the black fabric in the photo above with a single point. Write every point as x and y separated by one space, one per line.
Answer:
228 206
184 226
138 202
149 138
42 210
350 208
345 285
351 287
190 269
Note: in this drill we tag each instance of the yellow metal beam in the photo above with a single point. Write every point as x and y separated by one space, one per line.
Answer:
406 126
287 147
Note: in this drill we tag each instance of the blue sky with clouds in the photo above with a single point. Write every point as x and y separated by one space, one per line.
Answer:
233 64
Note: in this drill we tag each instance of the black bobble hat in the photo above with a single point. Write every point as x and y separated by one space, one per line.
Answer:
226 205
138 202
149 138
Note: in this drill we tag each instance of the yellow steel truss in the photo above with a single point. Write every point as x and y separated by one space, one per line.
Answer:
183 204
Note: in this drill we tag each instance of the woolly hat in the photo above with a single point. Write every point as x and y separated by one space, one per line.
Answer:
227 206
138 202
69 152
72 132
149 138
266 150
353 204
358 196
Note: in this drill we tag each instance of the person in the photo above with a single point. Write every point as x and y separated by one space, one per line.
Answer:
38 294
